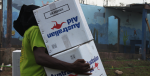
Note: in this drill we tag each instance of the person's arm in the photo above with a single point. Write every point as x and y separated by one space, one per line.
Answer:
38 47
78 67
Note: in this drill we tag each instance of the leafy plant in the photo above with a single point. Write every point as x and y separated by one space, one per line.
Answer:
130 64
125 37
95 33
119 58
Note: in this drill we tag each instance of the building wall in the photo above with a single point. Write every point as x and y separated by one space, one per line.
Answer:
130 27
101 22
94 16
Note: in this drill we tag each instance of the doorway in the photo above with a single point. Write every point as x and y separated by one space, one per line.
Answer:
114 33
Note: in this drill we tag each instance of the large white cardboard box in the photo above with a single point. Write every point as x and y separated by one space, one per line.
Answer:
88 52
62 25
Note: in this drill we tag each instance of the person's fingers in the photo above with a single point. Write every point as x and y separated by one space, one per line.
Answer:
90 69
86 69
87 73
81 60
87 65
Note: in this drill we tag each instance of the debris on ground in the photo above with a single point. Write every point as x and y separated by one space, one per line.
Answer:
2 67
118 72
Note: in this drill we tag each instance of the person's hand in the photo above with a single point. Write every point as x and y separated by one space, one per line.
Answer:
81 67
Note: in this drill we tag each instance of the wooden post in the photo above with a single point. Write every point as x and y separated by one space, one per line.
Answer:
144 15
9 23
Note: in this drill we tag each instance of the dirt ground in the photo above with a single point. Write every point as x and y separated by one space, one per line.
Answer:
7 71
128 67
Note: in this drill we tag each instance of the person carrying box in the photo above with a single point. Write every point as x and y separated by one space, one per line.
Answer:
34 56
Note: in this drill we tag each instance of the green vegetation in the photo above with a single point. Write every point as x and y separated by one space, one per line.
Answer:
95 35
125 37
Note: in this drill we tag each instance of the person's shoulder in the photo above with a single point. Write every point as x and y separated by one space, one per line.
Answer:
32 29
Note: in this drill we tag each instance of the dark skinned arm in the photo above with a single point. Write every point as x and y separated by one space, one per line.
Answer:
78 67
